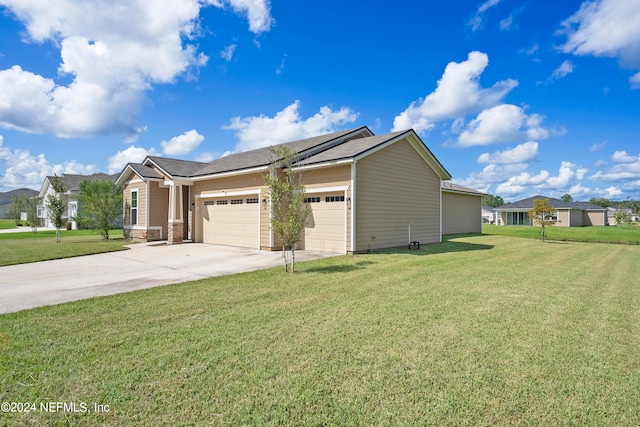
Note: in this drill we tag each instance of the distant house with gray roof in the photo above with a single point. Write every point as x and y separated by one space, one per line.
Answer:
72 190
365 192
566 214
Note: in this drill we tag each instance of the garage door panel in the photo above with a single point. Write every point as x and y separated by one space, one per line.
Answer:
231 224
325 230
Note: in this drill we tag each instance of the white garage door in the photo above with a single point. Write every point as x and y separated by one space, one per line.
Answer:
231 222
325 229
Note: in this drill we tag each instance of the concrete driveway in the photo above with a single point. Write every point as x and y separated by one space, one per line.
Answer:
143 266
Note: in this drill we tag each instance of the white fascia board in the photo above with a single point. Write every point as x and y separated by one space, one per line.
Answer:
177 181
232 173
323 164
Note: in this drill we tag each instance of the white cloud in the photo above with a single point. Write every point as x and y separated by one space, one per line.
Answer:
182 144
227 52
563 70
258 12
113 52
597 147
287 125
624 157
25 170
626 168
634 81
458 93
609 28
523 153
133 154
502 123
476 22
567 172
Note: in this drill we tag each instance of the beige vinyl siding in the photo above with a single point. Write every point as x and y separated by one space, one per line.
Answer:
563 218
142 203
461 213
594 217
576 218
395 187
159 200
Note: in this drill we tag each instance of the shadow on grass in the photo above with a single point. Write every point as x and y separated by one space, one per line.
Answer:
342 268
448 245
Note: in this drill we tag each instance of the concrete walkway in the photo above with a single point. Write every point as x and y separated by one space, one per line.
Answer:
142 266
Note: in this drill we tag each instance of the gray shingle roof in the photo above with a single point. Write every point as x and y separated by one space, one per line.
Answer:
72 181
262 156
145 171
450 186
348 151
557 204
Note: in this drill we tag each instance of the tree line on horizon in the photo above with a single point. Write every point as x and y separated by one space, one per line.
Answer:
497 201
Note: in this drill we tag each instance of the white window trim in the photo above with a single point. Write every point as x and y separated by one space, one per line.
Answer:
137 208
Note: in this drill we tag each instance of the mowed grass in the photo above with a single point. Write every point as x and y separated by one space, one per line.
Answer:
624 233
25 247
6 224
481 330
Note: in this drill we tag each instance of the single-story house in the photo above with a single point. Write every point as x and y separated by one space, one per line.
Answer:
567 214
489 215
72 185
627 213
365 192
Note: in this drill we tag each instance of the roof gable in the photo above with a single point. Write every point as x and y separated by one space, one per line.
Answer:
261 157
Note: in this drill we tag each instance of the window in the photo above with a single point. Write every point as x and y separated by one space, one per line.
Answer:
331 199
518 218
134 207
209 202
252 201
312 199
236 201
221 202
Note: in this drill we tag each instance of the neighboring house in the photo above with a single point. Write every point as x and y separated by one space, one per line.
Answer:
611 214
489 215
365 192
7 198
461 209
72 186
567 214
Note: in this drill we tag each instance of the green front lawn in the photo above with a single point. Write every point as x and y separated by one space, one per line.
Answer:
6 224
481 330
625 234
25 247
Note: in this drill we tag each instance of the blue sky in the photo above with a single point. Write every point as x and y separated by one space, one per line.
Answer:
515 98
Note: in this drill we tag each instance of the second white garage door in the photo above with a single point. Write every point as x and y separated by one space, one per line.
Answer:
325 229
232 222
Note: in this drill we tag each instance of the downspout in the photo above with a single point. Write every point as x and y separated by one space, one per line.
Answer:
440 210
353 207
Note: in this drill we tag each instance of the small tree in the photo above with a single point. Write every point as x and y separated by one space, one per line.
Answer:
32 214
17 206
56 205
286 192
622 216
100 205
540 214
